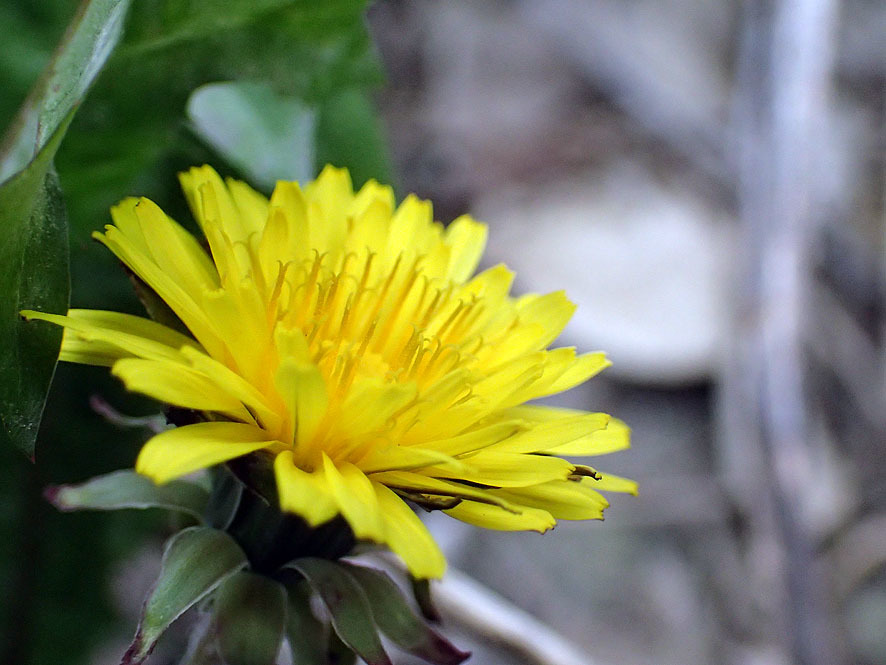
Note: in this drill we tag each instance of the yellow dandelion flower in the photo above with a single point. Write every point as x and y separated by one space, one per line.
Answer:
349 339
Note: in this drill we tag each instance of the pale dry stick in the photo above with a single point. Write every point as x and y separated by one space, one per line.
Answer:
785 81
802 68
466 603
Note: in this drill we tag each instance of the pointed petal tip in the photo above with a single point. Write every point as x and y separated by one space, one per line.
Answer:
51 493
136 654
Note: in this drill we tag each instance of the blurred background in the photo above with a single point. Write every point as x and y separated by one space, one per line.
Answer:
706 181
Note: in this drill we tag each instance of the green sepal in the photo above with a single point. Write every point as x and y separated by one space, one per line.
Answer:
250 619
421 591
224 498
348 607
196 561
396 619
306 634
128 489
337 652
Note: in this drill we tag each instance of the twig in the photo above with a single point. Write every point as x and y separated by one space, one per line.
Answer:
466 603
787 61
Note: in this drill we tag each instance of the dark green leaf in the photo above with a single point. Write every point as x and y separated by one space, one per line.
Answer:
310 49
34 269
250 617
306 634
128 489
398 621
163 24
33 275
196 561
347 605
265 135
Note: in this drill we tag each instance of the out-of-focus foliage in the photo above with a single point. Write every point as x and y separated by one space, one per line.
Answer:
129 137
246 122
605 152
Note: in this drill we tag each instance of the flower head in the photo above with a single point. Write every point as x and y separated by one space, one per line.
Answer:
348 340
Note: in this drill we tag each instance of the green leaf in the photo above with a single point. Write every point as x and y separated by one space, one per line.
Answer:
348 606
265 135
34 272
400 623
196 561
33 275
128 489
306 634
250 618
91 37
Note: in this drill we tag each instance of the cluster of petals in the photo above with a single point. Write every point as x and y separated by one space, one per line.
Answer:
349 340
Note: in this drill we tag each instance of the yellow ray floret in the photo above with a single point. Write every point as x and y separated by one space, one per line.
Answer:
350 340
